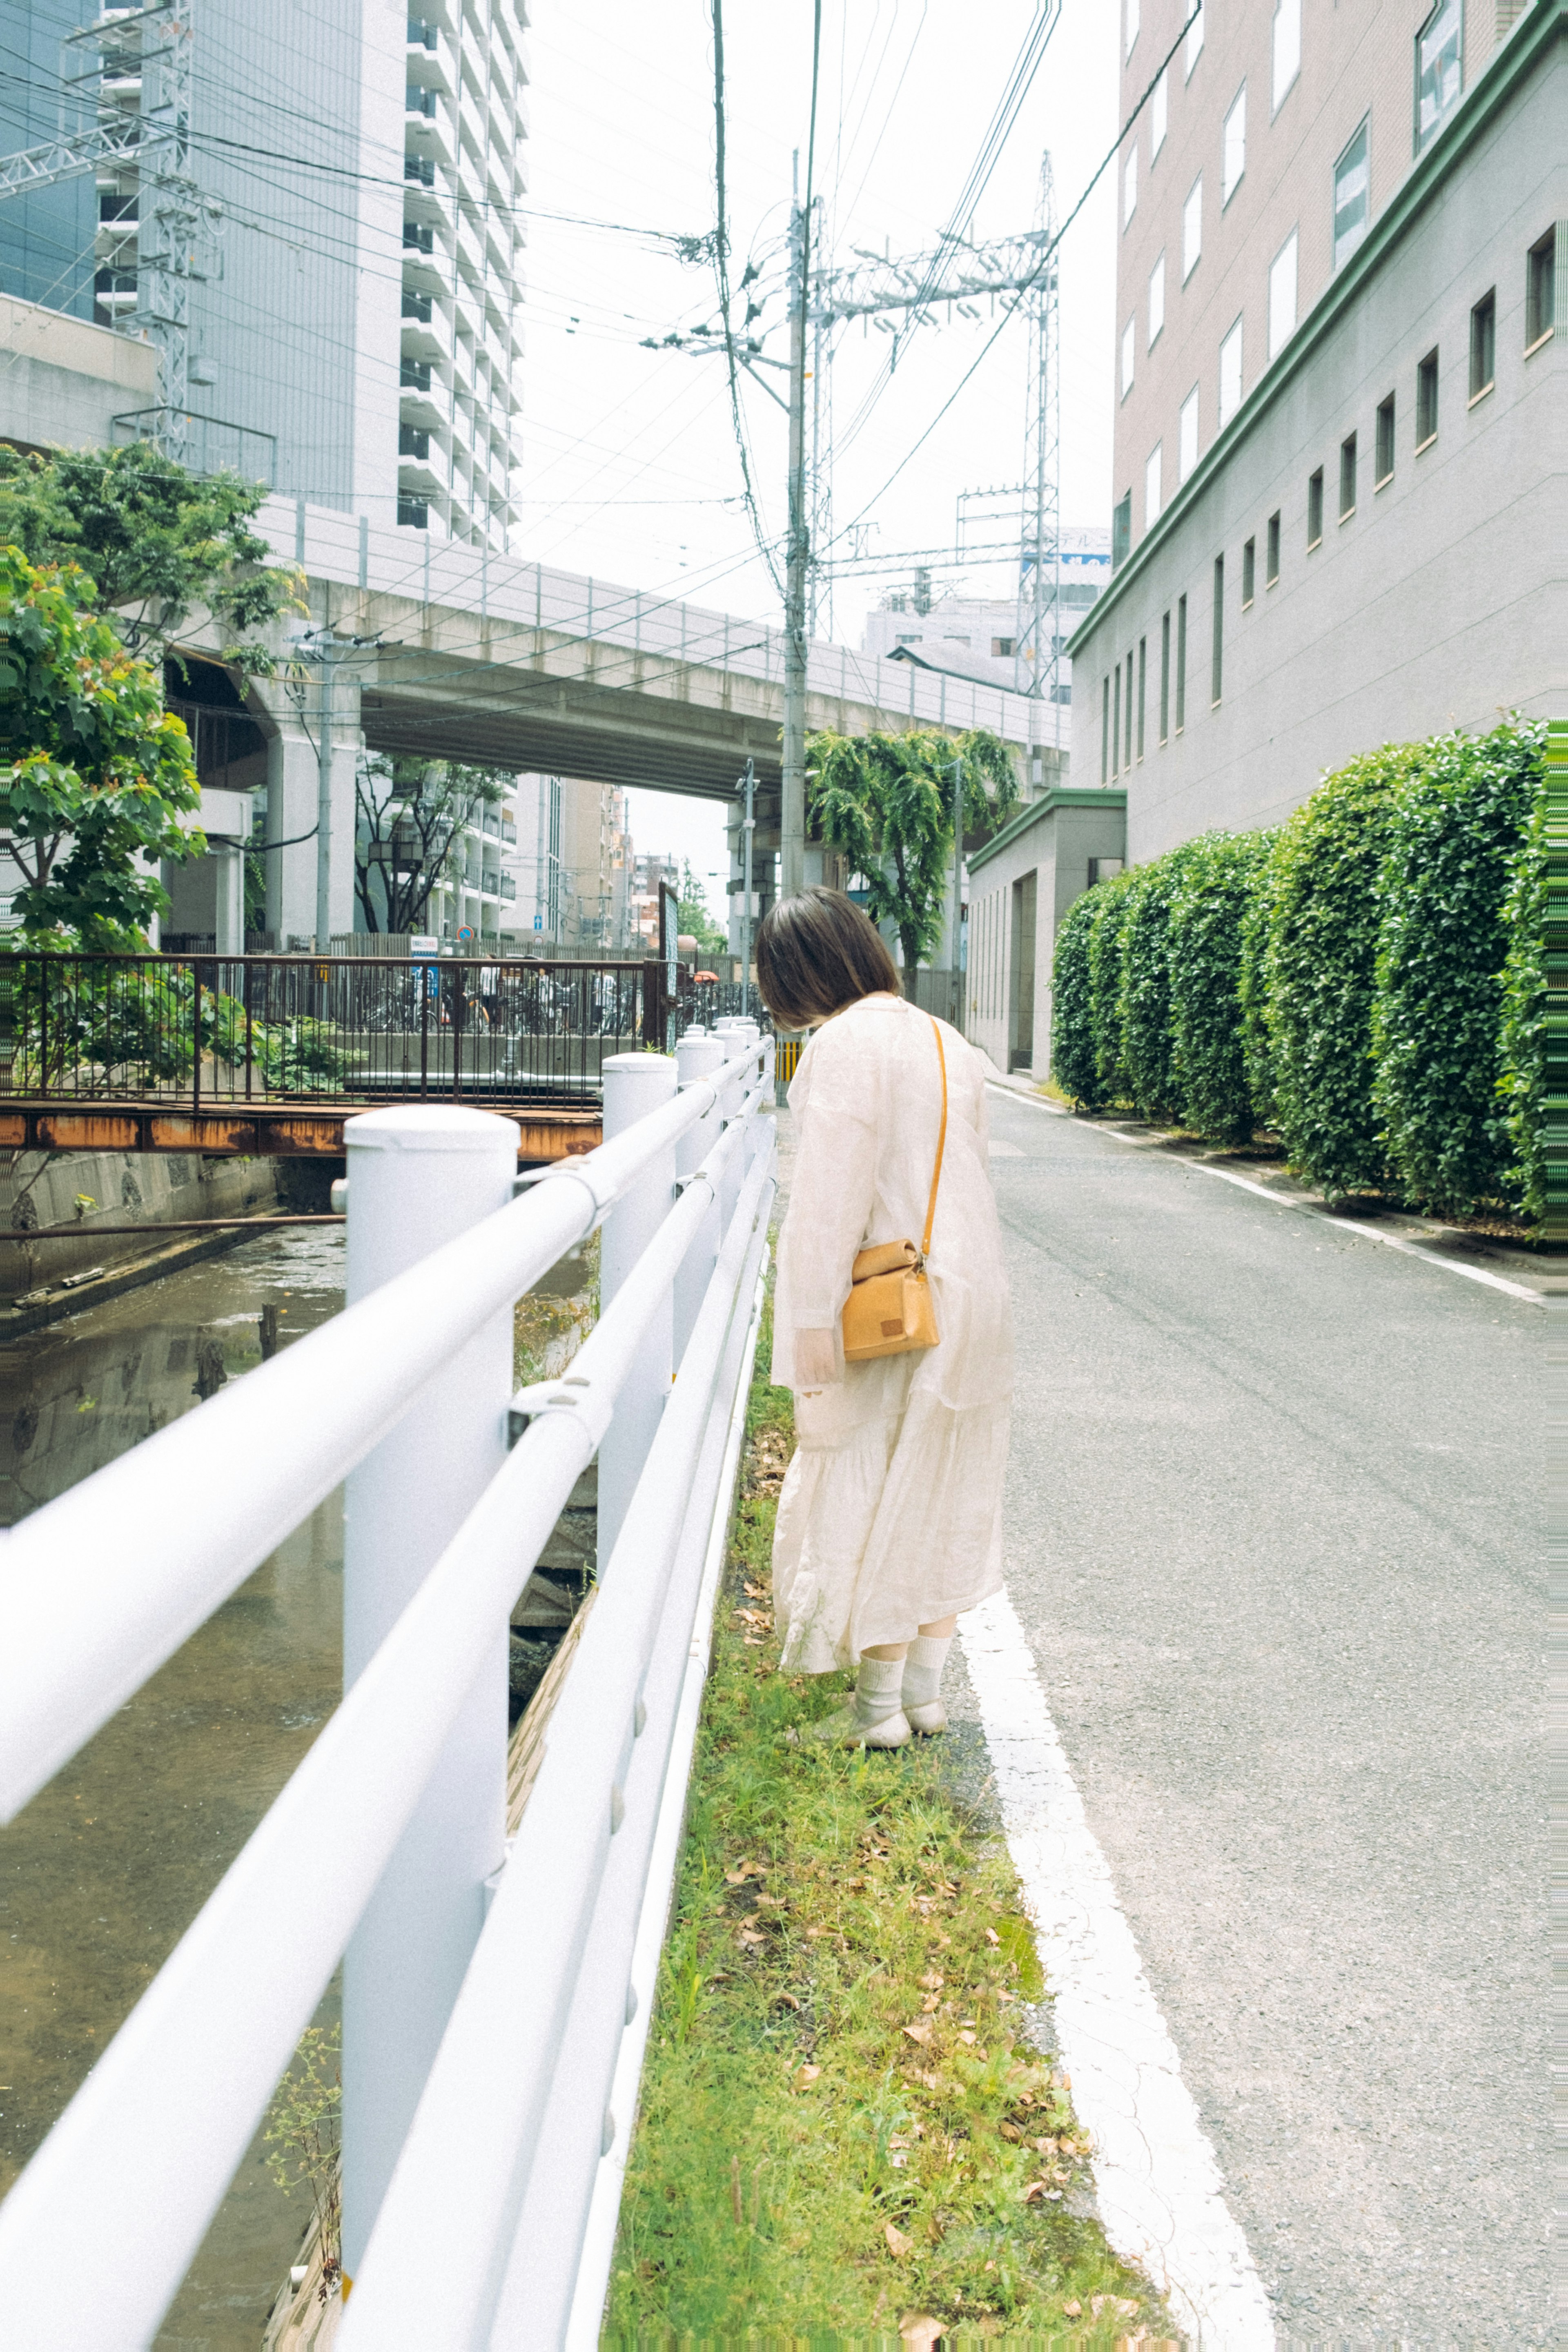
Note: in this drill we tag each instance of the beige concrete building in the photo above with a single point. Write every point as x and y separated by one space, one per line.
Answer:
1338 512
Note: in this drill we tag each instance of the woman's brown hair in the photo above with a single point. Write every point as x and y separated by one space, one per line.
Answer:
816 953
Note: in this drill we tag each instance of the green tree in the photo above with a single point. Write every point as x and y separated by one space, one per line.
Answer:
158 542
885 804
411 816
94 773
694 917
1074 1064
1148 1036
1521 1086
1105 961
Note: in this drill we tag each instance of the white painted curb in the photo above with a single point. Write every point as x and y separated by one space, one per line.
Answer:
1161 2196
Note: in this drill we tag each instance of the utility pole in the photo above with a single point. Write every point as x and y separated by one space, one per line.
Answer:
326 657
748 830
792 862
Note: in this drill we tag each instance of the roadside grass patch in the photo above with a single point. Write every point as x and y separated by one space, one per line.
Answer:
844 2134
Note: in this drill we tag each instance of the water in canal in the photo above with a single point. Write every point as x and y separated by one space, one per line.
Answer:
105 1868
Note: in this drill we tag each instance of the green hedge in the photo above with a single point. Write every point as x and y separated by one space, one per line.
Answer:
1436 1028
1148 1039
1215 886
1368 982
1072 1021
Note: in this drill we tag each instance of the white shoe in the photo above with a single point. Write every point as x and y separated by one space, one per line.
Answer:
928 1720
843 1728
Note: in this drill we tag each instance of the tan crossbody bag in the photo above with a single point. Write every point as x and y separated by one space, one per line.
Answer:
888 1311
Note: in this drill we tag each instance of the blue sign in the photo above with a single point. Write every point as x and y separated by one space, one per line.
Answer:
539 922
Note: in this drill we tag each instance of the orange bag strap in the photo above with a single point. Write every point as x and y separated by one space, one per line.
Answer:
940 1146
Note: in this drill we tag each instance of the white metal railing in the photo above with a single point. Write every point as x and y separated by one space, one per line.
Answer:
477 2079
329 543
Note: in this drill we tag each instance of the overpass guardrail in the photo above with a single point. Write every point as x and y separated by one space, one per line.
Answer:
495 1998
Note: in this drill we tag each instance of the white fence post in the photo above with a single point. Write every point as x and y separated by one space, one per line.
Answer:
418 1177
635 1085
696 1057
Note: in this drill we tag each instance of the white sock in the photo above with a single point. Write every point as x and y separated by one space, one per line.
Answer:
877 1684
927 1656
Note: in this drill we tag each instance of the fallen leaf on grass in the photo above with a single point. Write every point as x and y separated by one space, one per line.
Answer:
750 1939
898 2244
933 1981
932 2001
922 2033
805 2075
755 1592
970 2038
785 2000
752 1641
920 2328
992 1937
744 1870
1072 2310
1117 2305
1010 2131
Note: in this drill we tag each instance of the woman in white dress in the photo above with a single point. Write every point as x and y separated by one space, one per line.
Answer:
890 1523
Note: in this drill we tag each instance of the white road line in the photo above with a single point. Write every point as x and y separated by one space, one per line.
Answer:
1161 2196
1283 1200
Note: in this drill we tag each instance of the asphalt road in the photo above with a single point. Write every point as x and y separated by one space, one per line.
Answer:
1274 1532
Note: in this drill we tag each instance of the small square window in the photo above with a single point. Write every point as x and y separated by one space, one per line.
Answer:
1426 400
1001 648
1351 194
1315 510
1271 558
1347 477
1539 291
1249 573
1483 345
1384 450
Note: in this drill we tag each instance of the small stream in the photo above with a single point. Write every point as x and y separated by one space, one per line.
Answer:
104 1870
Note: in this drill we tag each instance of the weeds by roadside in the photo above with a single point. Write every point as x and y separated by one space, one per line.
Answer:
845 2132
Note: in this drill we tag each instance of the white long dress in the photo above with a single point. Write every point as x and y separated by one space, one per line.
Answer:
891 1513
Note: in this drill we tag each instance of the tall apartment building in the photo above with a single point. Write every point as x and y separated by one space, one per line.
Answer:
351 250
570 867
1342 361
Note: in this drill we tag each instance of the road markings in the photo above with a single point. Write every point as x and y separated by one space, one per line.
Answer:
1282 1201
1161 2192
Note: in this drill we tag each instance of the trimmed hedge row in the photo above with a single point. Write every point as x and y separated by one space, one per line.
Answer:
1367 981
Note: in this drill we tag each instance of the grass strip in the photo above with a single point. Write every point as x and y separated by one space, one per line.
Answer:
845 2134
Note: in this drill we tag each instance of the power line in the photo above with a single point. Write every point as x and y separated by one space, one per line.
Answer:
721 266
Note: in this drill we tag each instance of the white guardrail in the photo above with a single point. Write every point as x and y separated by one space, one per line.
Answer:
353 552
495 2002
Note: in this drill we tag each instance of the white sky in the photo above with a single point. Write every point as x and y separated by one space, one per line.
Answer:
630 467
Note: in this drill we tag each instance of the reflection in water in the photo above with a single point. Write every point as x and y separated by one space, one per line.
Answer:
107 1866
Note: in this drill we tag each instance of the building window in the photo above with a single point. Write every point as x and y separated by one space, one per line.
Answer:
1192 228
1282 297
1382 469
1194 43
412 514
1156 300
1187 442
1233 148
1132 24
1352 192
1271 559
1483 345
1122 530
1539 291
1287 47
1001 648
1164 678
1116 724
1159 114
1130 187
1129 343
1105 730
1152 486
1181 663
1230 376
1440 68
1142 684
1216 664
1426 400
1315 510
1347 477
1248 574
1128 761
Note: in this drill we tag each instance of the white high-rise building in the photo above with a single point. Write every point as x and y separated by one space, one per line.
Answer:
344 204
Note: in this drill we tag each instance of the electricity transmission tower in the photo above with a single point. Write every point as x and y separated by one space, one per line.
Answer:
900 295
126 104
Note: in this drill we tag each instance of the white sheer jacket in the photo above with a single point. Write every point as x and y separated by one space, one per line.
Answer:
890 1512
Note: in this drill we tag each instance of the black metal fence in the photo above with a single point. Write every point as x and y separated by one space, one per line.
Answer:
211 1031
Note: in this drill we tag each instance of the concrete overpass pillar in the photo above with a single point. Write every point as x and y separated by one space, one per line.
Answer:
291 795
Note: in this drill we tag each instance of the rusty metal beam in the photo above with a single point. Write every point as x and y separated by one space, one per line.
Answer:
302 1134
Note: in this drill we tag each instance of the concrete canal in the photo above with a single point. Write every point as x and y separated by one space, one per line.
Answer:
102 1872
